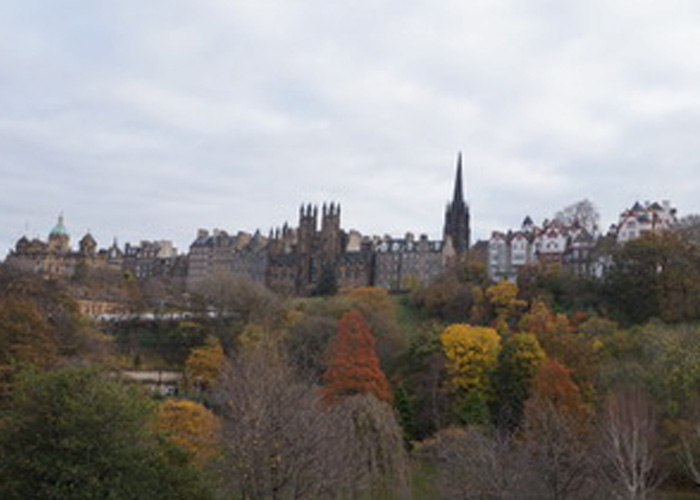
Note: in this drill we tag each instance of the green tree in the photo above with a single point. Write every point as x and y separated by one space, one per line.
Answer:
657 275
406 413
518 363
76 434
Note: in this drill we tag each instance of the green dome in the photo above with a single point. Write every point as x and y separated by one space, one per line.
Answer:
59 229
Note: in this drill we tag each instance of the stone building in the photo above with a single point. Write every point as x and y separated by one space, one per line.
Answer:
219 252
293 260
54 258
298 258
401 264
153 259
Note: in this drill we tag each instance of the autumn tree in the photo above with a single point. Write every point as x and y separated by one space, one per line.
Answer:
561 342
472 357
378 309
191 426
204 365
77 434
540 320
556 436
371 298
25 340
554 386
353 367
72 335
503 296
40 326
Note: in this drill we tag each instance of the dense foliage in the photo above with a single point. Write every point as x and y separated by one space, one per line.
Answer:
558 386
76 434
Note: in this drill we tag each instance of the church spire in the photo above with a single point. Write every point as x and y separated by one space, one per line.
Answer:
457 223
458 197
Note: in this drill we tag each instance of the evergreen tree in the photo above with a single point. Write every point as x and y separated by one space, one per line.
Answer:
406 414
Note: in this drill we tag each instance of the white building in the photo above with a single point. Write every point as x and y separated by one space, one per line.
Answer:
647 218
553 243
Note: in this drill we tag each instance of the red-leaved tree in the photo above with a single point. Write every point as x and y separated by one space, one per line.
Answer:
353 367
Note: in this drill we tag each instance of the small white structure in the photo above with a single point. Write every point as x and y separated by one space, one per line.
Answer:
647 218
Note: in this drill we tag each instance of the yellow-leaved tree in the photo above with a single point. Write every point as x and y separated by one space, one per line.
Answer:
503 296
204 365
191 426
472 355
372 299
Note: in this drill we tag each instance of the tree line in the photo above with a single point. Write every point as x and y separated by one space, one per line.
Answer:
556 387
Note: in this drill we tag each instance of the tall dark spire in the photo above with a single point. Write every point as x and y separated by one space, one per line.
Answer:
457 224
459 190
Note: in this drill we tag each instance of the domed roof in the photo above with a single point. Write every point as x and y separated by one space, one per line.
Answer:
59 229
88 239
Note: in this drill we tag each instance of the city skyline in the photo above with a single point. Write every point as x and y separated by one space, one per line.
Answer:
151 121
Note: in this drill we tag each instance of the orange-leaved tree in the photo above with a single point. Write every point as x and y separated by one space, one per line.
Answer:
191 426
553 387
353 367
204 365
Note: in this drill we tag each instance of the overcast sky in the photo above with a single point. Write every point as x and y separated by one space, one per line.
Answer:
149 119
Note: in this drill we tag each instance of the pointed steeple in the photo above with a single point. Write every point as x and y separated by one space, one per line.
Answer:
457 223
458 196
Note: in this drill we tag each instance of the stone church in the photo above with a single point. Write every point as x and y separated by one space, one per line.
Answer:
293 260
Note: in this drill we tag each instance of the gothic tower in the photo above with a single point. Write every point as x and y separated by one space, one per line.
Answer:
330 233
308 217
457 216
307 268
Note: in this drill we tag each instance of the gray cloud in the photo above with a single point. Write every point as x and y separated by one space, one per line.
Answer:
150 119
